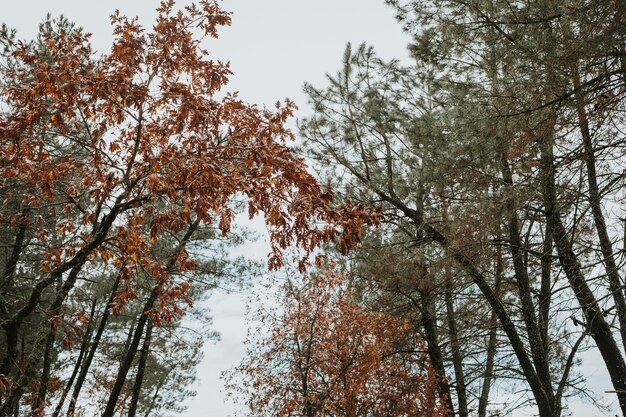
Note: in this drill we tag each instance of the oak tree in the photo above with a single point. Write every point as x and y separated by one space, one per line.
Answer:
103 157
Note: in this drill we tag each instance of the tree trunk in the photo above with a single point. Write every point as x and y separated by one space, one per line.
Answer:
141 368
595 323
11 331
457 360
127 360
492 344
93 348
429 323
141 323
540 358
544 405
77 366
155 397
16 250
545 291
39 405
595 202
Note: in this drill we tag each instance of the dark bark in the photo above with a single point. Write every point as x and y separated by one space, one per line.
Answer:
129 338
11 404
74 265
429 323
55 310
535 340
141 369
139 329
129 356
16 250
457 360
595 202
40 403
596 325
429 313
308 409
22 379
545 290
77 366
153 400
93 348
569 363
544 405
11 332
492 344
11 325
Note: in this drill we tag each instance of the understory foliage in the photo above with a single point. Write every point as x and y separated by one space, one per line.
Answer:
120 175
324 355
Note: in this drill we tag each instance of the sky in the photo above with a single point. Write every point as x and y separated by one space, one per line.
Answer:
274 47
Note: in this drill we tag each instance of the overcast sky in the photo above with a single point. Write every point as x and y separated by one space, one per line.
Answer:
274 46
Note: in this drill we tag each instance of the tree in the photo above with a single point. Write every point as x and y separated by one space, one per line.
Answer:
102 159
324 355
537 71
443 309
459 194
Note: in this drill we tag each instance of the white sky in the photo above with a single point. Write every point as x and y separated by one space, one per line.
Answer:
274 46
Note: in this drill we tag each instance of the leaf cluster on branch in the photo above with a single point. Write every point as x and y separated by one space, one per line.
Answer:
111 167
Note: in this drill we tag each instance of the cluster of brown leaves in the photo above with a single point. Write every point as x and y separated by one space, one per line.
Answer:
108 156
327 356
